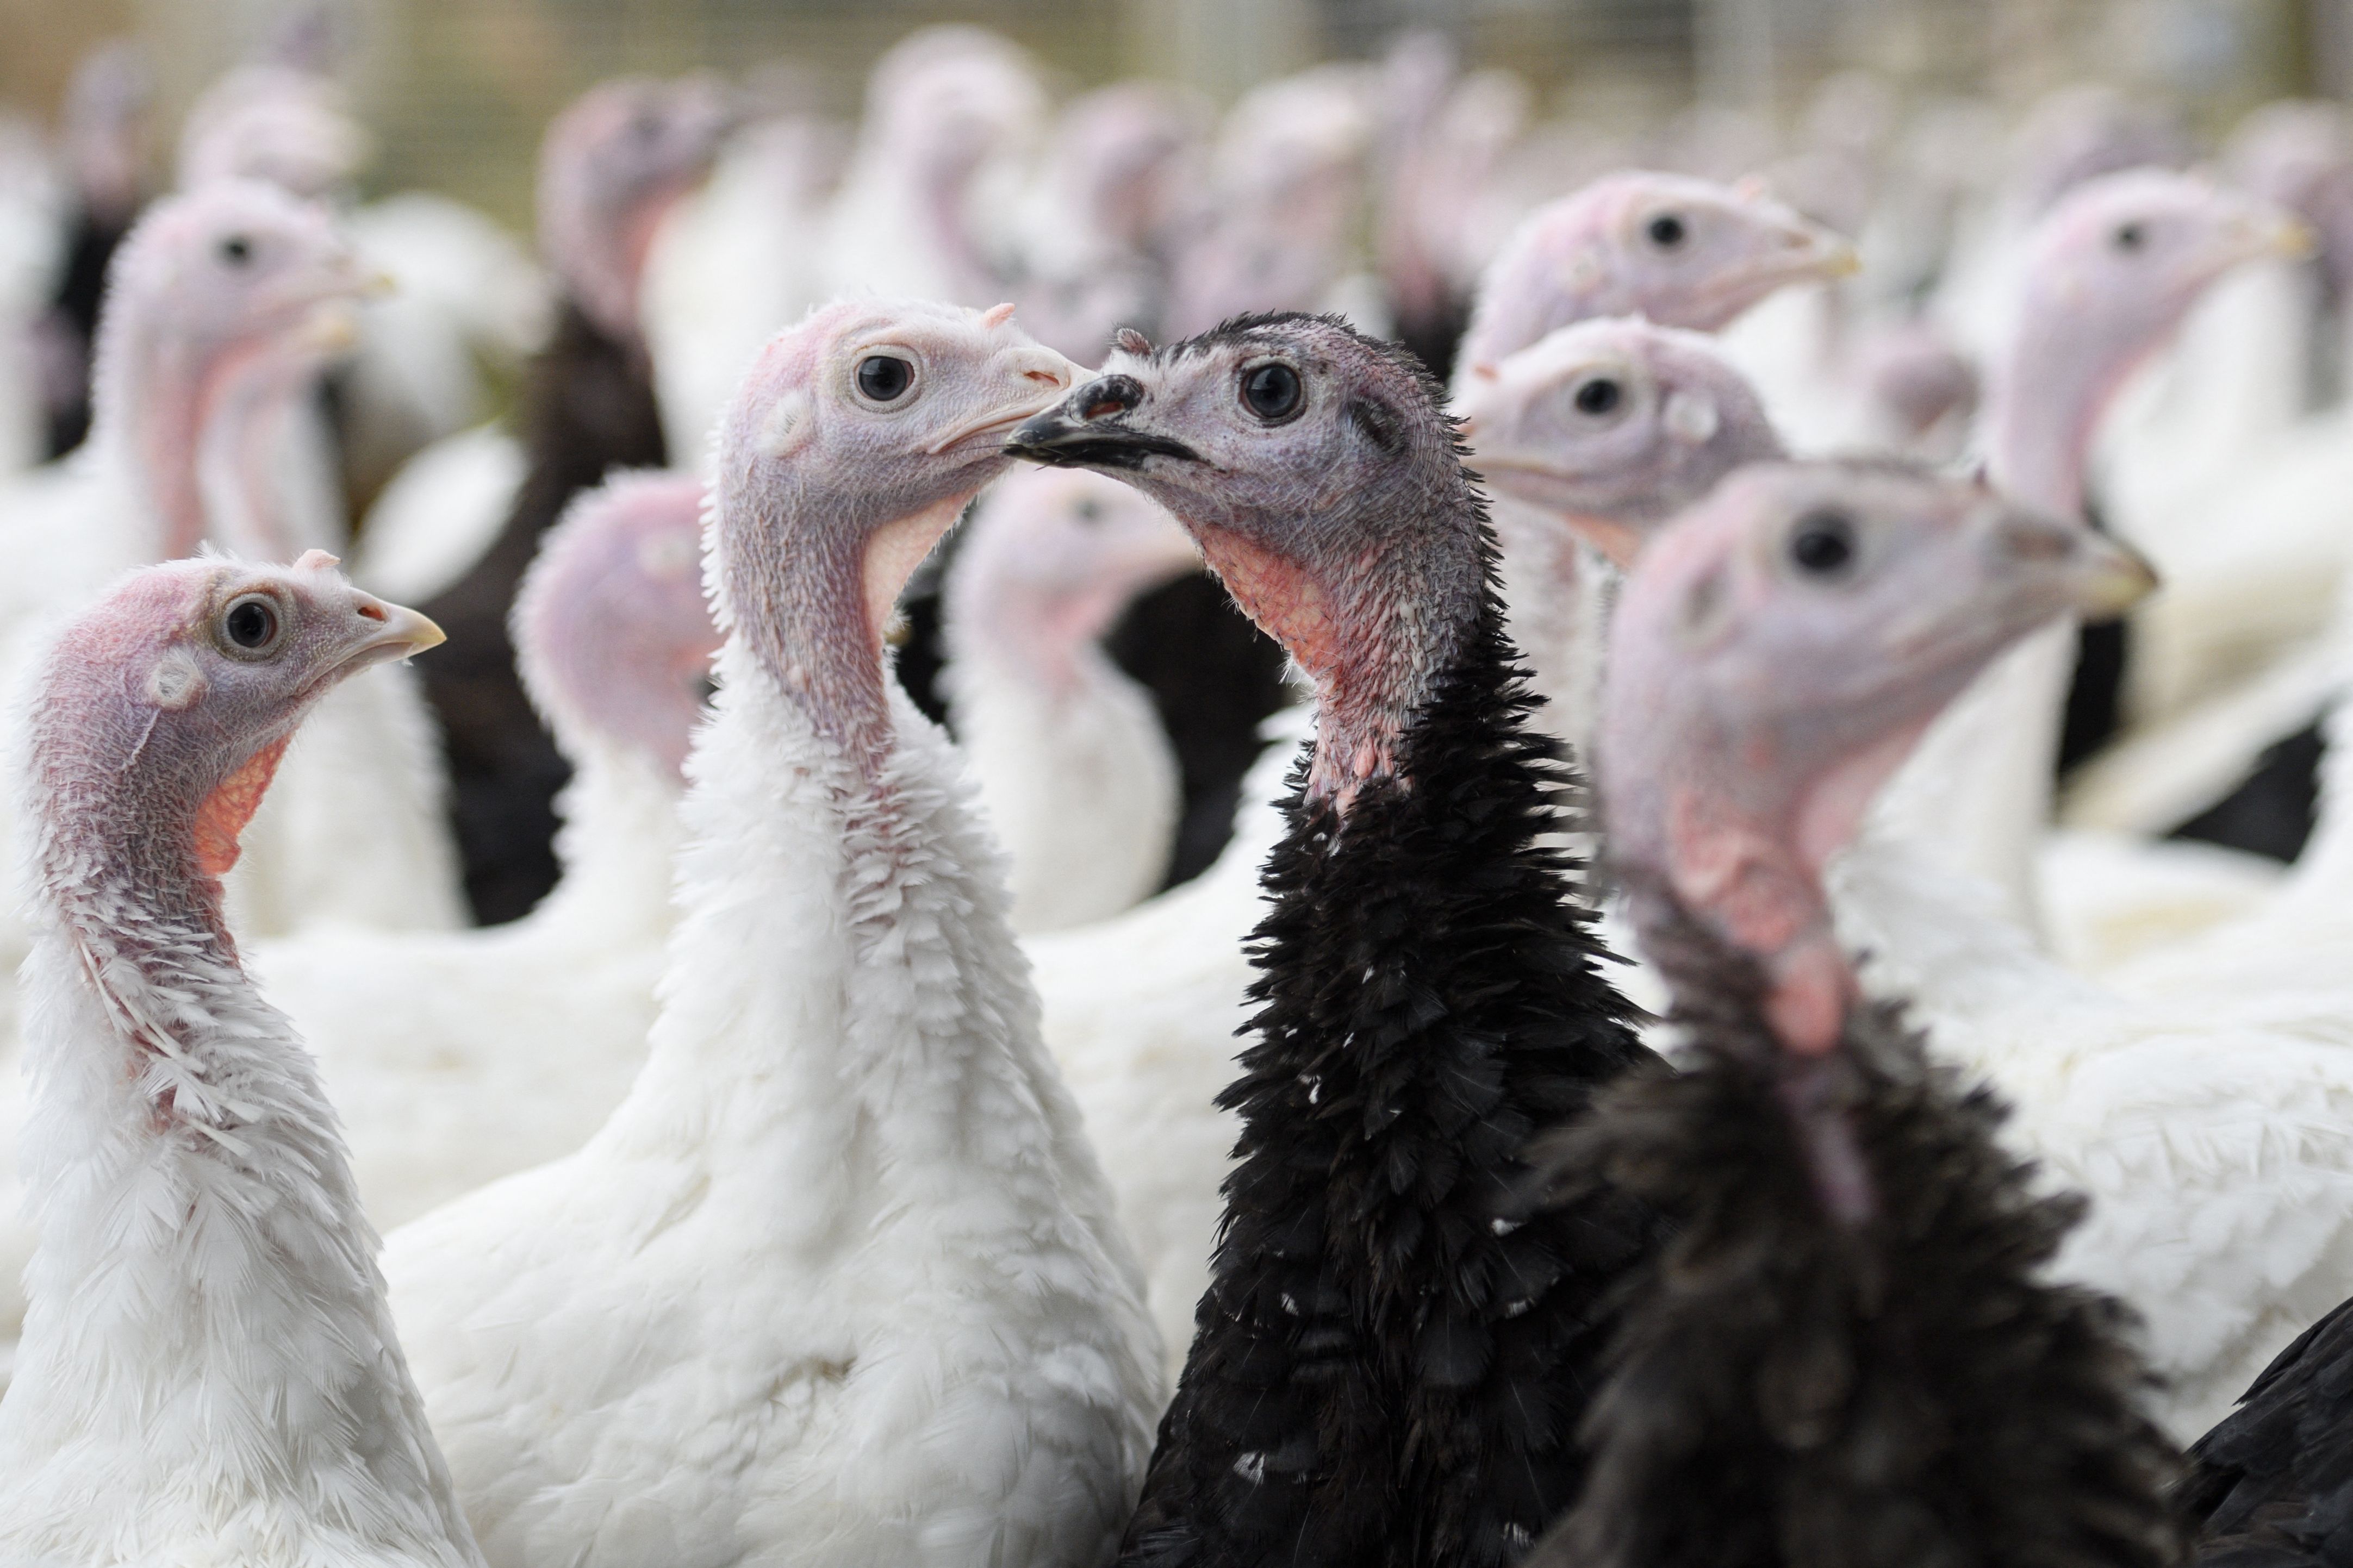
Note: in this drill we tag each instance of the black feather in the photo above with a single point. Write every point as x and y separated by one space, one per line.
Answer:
588 409
2273 1483
1384 1370
1907 1390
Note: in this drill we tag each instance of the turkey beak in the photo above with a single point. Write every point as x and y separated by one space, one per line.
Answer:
1095 428
393 631
2098 577
2112 578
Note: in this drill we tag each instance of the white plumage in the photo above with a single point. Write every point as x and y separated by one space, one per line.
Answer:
1074 771
840 1274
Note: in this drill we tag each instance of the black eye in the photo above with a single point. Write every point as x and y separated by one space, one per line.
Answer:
1598 396
236 250
1666 231
1270 391
2130 236
250 623
1822 544
884 377
1088 511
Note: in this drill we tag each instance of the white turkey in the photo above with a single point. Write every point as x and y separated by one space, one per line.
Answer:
208 1372
1073 768
459 1057
841 1275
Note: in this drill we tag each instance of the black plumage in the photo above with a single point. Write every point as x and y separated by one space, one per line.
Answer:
72 328
1904 1389
1384 1370
1214 679
2272 1485
588 408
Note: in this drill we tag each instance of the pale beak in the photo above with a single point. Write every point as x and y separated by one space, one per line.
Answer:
2112 579
400 632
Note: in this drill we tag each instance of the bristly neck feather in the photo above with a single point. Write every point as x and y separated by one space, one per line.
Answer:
206 1315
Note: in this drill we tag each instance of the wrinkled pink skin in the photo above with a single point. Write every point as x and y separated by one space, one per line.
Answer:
1755 708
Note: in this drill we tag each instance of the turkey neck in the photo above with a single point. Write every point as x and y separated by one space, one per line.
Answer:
1429 998
201 1234
1977 794
164 406
1374 632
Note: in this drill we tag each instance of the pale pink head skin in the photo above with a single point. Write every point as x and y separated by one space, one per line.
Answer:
1683 252
611 167
2300 155
828 494
105 129
221 305
2110 273
613 636
1614 427
1341 520
1050 558
162 711
275 122
1774 654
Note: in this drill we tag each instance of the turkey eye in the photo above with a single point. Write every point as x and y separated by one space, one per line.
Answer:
236 250
884 377
1088 511
1598 396
1270 391
1666 231
250 625
2130 236
1822 544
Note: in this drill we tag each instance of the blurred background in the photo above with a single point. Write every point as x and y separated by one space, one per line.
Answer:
457 91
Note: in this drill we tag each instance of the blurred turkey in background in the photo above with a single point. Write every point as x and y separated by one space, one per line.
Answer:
592 214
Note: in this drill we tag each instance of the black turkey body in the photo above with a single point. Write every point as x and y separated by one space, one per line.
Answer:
1385 1371
2272 1485
1791 1389
588 408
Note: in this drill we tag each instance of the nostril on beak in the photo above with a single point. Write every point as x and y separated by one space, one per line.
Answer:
370 610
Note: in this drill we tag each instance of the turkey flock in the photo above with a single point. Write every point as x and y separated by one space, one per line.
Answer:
1364 832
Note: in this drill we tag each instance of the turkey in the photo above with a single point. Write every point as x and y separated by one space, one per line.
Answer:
1612 427
2221 1238
1142 1010
1622 244
839 1275
223 304
1073 769
2111 271
208 1371
1428 995
1680 251
1847 1352
612 167
459 1057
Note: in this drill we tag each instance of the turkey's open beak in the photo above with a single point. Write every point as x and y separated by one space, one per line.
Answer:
1096 426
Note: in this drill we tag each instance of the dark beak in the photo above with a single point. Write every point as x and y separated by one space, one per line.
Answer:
1094 428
